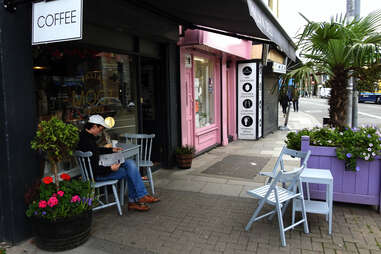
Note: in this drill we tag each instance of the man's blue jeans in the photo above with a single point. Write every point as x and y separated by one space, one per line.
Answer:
130 172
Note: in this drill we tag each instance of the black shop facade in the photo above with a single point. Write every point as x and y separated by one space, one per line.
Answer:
71 59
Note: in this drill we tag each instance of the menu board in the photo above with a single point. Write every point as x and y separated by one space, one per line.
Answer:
247 100
260 102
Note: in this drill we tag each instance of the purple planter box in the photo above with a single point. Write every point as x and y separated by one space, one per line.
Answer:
361 187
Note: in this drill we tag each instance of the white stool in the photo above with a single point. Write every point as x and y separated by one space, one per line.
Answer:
320 176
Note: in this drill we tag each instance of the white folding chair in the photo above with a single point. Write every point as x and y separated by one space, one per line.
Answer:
145 142
279 197
279 165
83 160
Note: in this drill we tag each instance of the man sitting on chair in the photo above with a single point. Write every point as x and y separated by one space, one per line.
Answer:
137 193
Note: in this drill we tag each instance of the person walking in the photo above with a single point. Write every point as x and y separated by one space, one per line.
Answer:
295 99
283 100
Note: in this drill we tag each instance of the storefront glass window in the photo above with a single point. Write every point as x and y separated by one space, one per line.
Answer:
73 83
204 91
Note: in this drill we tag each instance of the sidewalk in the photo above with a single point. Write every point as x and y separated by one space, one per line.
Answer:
206 213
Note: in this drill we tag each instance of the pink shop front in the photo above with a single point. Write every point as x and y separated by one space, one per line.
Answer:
208 87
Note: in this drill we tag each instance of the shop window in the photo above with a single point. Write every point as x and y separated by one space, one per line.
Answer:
73 83
204 91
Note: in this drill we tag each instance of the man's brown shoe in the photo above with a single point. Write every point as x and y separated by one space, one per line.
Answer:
138 207
148 199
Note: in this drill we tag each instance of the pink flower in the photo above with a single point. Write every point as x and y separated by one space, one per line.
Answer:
54 195
52 201
42 204
75 198
60 193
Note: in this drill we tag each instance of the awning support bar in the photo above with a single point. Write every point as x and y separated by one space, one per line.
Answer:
11 5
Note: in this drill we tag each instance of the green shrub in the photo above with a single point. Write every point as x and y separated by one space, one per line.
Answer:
185 150
57 140
351 144
2 251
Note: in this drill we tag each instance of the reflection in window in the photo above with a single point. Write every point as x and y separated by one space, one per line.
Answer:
74 83
203 91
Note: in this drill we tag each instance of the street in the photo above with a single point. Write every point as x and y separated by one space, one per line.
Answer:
368 113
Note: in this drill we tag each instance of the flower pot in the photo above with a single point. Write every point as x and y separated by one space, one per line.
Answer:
62 234
184 161
362 187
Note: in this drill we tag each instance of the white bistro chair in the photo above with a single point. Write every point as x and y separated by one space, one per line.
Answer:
145 142
83 160
277 196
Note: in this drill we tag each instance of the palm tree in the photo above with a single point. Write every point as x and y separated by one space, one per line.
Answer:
339 49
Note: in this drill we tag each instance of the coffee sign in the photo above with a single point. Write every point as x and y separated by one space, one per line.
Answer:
54 21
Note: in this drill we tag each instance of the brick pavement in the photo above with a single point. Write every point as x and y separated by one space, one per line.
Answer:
191 222
201 213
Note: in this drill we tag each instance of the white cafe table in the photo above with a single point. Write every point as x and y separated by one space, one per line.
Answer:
318 176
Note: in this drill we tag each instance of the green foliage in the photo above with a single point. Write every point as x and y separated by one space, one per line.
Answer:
55 138
351 144
2 251
72 198
368 78
336 48
185 150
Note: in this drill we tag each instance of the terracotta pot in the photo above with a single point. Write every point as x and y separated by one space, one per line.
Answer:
62 234
184 161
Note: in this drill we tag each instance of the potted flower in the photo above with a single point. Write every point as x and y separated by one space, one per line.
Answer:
184 156
56 140
352 155
60 210
62 217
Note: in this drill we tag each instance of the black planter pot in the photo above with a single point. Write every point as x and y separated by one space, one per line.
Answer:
62 234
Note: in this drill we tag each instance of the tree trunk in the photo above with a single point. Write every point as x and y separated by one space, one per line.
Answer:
338 99
54 170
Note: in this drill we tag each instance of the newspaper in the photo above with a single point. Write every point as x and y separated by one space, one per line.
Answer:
114 158
107 160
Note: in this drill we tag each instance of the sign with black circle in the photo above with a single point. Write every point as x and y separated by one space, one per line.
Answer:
247 87
247 100
247 121
247 70
247 103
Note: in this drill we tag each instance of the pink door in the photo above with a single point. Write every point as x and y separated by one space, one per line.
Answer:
189 107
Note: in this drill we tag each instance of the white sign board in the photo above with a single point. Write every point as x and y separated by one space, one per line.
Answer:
279 68
247 100
260 101
54 21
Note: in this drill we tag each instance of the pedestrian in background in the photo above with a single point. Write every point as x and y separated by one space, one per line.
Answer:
295 99
283 100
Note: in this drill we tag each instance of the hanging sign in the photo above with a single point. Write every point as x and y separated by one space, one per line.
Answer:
55 21
279 68
247 94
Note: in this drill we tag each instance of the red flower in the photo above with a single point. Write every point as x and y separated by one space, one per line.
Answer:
65 177
47 180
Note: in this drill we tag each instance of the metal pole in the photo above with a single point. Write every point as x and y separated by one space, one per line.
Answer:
355 103
349 108
348 119
355 100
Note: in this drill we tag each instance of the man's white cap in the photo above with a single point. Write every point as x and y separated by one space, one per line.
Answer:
98 119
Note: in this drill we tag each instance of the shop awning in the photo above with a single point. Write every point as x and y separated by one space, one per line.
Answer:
248 19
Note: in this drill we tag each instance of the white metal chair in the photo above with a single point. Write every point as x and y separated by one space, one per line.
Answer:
279 165
145 142
83 160
279 197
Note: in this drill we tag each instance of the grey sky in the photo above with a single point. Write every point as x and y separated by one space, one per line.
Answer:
316 10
